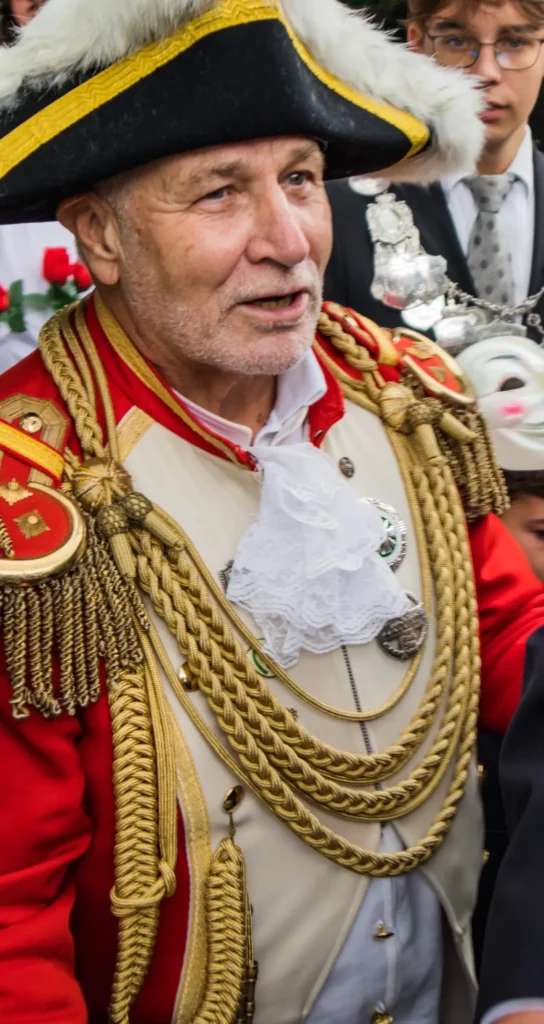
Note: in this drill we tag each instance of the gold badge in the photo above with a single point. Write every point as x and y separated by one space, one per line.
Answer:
13 492
32 524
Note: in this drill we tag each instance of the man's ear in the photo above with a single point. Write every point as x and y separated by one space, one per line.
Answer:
92 221
415 36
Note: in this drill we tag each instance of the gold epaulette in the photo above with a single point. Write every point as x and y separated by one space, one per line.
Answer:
417 389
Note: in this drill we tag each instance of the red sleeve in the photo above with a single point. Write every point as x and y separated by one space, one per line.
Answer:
511 603
43 830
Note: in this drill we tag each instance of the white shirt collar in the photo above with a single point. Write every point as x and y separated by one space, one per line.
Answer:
522 166
298 389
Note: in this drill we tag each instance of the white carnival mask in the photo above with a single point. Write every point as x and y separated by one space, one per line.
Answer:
507 374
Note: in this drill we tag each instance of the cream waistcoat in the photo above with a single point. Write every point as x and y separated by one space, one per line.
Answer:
304 905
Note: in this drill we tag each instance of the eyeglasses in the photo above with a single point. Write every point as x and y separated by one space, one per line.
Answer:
513 53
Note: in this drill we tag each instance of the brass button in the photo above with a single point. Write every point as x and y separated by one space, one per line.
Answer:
485 857
482 773
233 799
346 467
381 931
189 684
31 423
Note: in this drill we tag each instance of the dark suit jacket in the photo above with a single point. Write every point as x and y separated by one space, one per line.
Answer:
348 279
513 962
351 269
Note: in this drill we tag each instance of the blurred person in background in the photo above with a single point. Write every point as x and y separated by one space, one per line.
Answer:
39 268
416 256
484 226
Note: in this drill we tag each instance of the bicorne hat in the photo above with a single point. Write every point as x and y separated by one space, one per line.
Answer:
95 87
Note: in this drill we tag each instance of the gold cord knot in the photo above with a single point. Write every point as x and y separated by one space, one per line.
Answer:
163 886
396 401
99 482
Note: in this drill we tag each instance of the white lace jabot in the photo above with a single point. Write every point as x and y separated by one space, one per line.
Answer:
308 569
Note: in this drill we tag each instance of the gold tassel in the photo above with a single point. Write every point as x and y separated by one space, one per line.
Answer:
143 514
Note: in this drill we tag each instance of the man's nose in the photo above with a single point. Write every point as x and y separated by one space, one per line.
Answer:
278 233
487 67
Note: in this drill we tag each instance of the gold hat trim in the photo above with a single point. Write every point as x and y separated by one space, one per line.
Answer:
28 137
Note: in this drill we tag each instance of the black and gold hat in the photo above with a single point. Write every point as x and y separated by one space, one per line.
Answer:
95 87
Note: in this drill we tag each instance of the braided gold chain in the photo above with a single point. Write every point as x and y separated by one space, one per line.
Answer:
272 752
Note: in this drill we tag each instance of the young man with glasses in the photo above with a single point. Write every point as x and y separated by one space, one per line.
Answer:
503 264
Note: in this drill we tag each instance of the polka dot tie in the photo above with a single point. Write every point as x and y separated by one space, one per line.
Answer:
489 259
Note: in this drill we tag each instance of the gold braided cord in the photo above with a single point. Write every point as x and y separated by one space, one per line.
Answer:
98 369
205 638
227 932
261 742
71 387
204 662
288 681
136 840
76 351
390 767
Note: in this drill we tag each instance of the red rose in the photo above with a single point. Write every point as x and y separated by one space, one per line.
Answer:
81 276
4 299
56 265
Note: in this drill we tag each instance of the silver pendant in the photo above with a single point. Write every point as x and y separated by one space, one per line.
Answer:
368 186
404 637
393 548
459 326
422 316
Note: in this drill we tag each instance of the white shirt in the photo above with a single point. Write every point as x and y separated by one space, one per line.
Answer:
297 389
21 256
400 975
516 216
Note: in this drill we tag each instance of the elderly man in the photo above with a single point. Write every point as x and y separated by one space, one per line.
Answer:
239 602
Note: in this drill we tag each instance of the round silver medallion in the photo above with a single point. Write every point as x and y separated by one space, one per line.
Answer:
393 548
404 637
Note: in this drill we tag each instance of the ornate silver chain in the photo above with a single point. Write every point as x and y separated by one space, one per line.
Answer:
502 312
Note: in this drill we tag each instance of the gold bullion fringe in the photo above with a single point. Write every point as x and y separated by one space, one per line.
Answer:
86 615
462 438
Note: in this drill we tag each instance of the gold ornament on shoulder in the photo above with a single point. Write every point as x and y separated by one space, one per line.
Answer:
395 400
99 482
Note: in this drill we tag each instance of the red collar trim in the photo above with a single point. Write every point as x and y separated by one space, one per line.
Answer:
130 390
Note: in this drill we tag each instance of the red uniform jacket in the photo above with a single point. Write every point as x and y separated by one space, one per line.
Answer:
57 933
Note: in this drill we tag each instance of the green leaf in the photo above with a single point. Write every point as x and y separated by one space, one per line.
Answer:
37 302
16 293
16 320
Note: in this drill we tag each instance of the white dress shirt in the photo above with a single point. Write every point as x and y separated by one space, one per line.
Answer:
400 975
516 216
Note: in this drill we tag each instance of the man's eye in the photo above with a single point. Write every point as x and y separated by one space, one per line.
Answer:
298 178
458 42
515 43
218 193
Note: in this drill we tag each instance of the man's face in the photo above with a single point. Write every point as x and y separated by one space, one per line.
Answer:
24 10
525 521
510 94
224 252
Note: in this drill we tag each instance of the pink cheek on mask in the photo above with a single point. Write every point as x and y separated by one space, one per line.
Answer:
513 409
